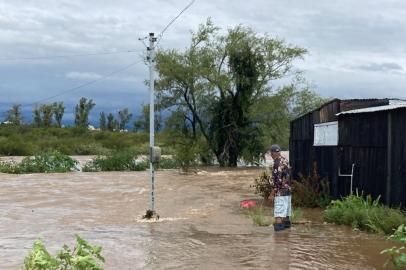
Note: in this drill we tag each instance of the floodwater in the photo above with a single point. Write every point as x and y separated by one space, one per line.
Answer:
201 225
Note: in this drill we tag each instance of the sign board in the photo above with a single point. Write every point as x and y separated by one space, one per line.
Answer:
326 134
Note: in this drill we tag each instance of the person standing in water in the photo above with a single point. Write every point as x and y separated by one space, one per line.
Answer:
281 193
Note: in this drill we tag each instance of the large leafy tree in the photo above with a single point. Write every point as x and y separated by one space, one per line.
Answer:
59 110
218 81
44 114
124 116
112 123
82 111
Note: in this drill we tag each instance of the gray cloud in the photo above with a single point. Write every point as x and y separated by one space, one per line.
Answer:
381 67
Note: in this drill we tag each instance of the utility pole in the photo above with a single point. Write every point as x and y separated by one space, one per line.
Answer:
155 152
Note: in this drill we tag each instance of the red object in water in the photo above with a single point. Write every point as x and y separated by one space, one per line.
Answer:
248 203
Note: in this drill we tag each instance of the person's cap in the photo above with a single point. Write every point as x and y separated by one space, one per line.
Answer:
275 148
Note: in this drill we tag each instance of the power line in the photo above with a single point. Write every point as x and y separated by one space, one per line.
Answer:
73 89
173 20
64 56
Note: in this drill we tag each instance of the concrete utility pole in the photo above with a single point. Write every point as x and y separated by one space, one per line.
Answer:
155 152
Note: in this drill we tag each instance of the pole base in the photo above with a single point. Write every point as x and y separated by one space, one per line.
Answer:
150 215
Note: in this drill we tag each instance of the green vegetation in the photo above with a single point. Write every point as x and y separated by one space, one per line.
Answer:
257 214
308 192
124 161
168 163
82 111
364 214
14 115
117 161
297 215
82 257
27 141
311 191
397 255
47 162
261 215
220 91
263 185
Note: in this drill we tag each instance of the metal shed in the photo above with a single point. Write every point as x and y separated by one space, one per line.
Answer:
345 132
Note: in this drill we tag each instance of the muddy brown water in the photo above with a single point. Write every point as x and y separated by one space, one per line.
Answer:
201 225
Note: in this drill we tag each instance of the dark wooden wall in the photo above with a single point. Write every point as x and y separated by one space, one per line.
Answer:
398 161
303 155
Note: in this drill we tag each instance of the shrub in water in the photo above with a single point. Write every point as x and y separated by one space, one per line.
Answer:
82 257
48 162
118 161
308 192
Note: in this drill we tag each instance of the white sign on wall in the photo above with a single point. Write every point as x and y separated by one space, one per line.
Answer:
326 134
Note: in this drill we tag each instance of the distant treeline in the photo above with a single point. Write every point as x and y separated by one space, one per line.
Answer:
51 115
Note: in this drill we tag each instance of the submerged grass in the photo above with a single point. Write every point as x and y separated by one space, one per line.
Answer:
257 214
261 217
365 214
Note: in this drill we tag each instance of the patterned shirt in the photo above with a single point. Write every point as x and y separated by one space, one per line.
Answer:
281 177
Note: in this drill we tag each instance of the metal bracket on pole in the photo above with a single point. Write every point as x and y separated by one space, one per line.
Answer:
348 175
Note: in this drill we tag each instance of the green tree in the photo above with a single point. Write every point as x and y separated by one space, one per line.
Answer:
125 117
59 110
82 111
142 121
102 121
37 117
14 115
218 80
111 122
47 111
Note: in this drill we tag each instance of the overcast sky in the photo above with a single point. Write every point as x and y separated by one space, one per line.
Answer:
356 48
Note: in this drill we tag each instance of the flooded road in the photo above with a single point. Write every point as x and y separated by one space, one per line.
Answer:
201 225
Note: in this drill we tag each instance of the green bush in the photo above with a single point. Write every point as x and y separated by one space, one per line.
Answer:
168 163
397 255
48 162
15 146
82 257
117 161
311 191
364 214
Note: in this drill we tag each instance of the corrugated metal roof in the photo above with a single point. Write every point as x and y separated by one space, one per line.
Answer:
376 109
